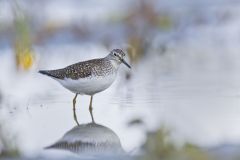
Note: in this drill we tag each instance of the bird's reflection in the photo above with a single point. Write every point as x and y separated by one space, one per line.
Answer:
89 138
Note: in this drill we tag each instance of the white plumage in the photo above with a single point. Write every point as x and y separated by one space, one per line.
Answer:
88 86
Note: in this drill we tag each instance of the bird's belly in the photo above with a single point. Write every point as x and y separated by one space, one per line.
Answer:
88 86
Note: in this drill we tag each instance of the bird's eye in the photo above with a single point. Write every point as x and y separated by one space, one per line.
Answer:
114 54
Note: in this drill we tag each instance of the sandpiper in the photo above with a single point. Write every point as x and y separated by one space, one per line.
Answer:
89 77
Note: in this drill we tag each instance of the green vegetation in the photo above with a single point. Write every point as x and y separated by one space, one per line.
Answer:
159 146
22 43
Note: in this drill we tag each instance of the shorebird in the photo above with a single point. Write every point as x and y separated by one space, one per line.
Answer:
89 77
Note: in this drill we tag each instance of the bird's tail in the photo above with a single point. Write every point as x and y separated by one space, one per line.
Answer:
48 73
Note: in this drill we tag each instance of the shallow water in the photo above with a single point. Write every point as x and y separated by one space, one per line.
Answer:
200 106
193 89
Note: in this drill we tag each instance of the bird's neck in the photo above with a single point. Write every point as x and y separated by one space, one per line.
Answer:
114 63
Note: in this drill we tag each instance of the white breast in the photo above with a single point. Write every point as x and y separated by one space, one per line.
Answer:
88 86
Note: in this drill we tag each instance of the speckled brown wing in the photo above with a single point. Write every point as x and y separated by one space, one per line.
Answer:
94 67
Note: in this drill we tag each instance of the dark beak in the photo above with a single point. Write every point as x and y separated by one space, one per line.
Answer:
123 61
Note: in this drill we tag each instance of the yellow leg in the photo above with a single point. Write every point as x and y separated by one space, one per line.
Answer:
74 109
90 109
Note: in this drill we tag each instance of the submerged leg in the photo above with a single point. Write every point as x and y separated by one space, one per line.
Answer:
90 109
74 109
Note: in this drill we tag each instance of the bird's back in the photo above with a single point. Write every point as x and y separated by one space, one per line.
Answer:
86 69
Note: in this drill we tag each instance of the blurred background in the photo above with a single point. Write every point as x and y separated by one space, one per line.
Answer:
180 100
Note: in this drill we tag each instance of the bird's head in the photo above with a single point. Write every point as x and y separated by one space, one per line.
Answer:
118 55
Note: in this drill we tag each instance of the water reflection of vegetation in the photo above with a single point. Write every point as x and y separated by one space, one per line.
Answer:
159 145
7 146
